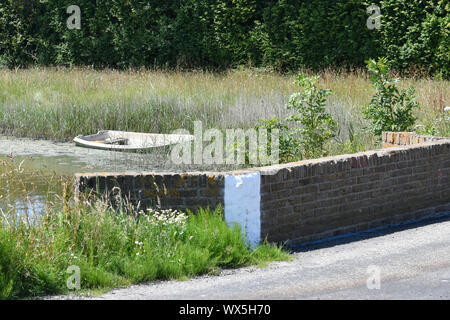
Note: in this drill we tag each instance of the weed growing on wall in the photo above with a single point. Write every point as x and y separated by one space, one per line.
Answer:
288 149
390 108
314 126
311 126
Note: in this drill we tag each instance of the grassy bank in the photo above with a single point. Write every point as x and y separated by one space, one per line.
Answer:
110 248
59 104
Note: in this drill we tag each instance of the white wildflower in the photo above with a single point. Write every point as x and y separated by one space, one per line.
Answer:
166 217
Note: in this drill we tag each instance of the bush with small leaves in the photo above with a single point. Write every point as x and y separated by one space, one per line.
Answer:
311 126
314 126
390 109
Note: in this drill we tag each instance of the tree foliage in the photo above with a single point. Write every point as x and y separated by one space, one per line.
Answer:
282 34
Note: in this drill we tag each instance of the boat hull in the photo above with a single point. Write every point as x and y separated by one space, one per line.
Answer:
129 141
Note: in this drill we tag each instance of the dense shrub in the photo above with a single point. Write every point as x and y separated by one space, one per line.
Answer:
17 38
284 34
318 33
390 108
415 35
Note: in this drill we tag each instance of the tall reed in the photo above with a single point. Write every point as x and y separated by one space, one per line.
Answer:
58 104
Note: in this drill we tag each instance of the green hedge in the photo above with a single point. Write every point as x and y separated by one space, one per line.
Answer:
415 35
318 34
285 34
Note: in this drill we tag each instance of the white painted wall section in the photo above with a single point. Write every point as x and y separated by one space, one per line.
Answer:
242 202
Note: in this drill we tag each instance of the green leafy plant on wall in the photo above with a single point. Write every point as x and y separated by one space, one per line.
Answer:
390 108
288 148
311 126
314 127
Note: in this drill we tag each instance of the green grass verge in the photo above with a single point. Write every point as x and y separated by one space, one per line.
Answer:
41 237
113 249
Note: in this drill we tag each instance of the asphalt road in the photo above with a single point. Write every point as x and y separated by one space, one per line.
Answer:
404 262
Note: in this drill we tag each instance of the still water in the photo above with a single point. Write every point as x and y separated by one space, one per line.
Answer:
66 158
50 159
35 161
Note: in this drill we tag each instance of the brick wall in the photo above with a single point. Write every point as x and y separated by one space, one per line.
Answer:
331 196
396 139
157 190
308 200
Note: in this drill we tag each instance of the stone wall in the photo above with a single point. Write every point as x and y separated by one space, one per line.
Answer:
308 200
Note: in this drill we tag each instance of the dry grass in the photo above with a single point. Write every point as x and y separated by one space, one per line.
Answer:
58 104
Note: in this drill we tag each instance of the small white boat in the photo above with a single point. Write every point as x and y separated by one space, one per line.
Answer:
129 141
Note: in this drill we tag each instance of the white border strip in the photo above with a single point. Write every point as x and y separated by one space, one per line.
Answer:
242 202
